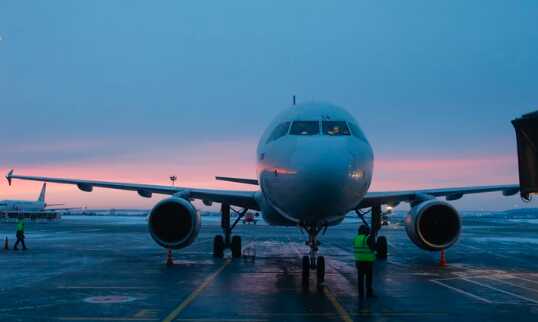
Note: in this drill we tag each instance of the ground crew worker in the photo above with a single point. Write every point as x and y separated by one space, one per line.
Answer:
363 245
20 234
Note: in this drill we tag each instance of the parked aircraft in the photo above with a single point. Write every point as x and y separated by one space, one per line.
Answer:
314 165
26 206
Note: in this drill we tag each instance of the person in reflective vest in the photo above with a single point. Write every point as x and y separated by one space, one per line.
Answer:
20 234
363 246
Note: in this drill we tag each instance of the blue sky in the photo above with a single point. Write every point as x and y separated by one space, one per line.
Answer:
188 86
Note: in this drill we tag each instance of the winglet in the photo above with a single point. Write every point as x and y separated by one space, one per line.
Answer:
8 176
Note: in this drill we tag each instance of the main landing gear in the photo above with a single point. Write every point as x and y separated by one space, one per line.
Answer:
312 261
220 242
381 243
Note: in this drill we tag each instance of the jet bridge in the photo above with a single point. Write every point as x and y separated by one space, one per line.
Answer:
527 150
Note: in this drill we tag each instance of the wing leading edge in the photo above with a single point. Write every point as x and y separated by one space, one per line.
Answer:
245 199
395 197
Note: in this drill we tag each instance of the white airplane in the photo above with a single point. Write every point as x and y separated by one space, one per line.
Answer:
26 205
314 165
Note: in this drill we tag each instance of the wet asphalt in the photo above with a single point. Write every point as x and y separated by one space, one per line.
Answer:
109 269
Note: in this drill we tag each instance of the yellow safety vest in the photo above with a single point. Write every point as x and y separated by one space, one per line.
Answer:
363 253
20 226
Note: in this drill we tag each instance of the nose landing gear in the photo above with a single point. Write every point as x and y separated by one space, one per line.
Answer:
312 261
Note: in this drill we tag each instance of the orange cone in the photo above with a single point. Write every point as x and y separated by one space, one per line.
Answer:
6 244
169 260
442 261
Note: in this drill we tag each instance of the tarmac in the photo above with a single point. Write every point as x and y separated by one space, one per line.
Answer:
109 269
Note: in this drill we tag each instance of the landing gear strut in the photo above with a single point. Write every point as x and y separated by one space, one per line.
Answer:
220 242
312 260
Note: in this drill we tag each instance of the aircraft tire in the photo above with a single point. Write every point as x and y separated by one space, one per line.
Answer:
306 271
381 247
236 246
218 246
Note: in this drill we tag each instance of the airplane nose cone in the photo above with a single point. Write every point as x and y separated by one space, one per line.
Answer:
328 185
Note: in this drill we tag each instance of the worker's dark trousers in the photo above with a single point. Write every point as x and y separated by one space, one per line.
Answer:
365 271
20 239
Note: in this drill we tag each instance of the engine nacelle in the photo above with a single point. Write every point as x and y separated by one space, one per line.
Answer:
174 223
433 225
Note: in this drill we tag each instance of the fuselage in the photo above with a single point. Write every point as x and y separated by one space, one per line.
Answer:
21 205
314 165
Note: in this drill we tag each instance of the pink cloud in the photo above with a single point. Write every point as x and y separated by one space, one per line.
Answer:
194 166
392 174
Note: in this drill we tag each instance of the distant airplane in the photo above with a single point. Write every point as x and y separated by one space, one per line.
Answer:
26 206
314 165
250 218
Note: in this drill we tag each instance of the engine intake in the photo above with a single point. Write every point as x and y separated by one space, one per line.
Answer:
174 223
433 225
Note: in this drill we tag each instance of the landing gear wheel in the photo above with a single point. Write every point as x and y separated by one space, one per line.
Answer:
320 273
306 271
236 247
218 246
381 247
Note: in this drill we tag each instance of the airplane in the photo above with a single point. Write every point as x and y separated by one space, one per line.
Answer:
314 165
250 218
26 206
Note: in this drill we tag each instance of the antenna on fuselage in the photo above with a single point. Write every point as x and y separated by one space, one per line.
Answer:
293 100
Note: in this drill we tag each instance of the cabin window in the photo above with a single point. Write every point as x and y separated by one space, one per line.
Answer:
279 131
305 128
335 128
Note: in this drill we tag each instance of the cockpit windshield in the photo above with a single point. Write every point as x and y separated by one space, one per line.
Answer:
357 132
335 128
279 131
305 128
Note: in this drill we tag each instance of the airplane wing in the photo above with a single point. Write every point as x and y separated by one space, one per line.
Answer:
245 199
393 198
526 128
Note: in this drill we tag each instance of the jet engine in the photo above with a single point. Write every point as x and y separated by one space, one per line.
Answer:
433 225
174 223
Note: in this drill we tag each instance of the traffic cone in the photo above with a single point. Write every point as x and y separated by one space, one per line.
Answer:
442 261
169 261
6 244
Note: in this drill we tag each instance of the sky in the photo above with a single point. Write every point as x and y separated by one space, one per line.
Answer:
140 90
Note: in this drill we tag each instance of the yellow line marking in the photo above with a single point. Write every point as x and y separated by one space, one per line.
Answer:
339 308
221 320
194 294
90 318
106 287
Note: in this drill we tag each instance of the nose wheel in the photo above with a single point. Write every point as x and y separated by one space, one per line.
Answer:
312 261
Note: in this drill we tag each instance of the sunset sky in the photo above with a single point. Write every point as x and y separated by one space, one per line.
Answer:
140 90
